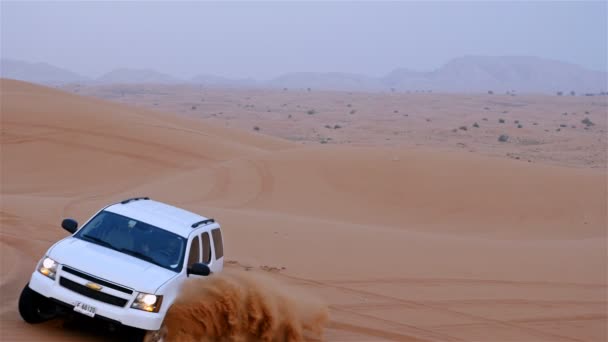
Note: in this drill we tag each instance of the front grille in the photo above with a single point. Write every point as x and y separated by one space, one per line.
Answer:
96 280
97 295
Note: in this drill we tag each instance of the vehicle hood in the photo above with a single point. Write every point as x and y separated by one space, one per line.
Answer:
110 265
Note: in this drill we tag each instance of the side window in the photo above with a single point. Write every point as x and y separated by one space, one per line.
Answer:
217 242
206 248
195 247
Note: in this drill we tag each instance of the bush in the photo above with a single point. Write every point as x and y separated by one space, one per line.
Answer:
328 126
587 122
501 120
516 121
353 111
193 107
572 93
520 126
503 138
563 125
476 125
559 93
490 92
311 112
463 128
256 128
337 126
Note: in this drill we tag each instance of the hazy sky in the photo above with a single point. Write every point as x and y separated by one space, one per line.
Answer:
265 39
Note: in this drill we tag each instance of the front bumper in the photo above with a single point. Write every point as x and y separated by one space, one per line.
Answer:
124 315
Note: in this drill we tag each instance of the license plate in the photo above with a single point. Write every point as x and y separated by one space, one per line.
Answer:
85 309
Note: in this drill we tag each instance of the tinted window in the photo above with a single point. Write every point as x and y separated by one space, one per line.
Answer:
217 243
194 255
206 248
135 238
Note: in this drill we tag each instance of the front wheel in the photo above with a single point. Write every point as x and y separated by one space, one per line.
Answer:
35 308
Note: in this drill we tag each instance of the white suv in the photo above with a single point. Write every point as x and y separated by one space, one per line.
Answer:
125 265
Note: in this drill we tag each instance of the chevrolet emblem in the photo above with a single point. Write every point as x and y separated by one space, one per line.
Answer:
94 286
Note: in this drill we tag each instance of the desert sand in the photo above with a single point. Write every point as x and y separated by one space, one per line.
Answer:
402 242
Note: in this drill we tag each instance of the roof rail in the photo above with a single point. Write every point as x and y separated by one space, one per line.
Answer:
203 222
134 199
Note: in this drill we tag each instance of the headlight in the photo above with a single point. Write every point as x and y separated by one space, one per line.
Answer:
48 267
147 302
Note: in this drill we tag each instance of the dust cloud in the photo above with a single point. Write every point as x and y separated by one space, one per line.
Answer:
242 306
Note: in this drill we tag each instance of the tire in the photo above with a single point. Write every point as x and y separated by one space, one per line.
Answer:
35 308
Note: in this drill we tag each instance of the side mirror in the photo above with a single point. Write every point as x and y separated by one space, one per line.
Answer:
70 225
198 268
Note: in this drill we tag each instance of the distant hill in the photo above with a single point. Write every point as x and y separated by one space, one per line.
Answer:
41 73
483 73
464 74
124 75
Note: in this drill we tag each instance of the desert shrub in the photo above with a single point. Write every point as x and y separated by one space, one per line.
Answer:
353 111
328 126
558 129
535 123
193 107
485 119
587 122
516 121
476 125
311 112
428 120
503 138
256 128
490 92
563 125
559 93
337 126
572 93
463 128
395 111
289 116
520 126
501 120
349 105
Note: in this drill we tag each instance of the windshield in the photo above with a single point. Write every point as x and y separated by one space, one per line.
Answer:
135 238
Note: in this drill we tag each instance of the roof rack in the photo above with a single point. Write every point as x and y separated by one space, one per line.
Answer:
134 199
203 222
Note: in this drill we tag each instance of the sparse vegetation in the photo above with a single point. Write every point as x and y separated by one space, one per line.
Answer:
520 126
395 111
516 121
289 116
572 93
485 119
463 128
256 128
503 138
337 126
559 93
328 126
563 125
490 92
501 121
353 111
476 125
311 112
193 107
587 122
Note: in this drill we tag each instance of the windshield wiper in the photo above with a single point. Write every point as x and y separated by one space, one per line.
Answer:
99 241
140 255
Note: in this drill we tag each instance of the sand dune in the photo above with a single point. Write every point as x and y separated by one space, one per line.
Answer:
402 244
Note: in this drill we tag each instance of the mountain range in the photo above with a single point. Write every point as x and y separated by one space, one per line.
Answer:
464 74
